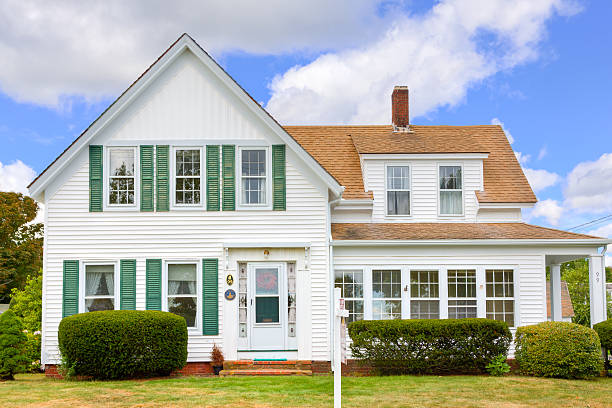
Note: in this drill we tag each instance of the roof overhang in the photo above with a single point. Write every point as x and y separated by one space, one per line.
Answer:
504 205
453 242
185 42
354 205
423 156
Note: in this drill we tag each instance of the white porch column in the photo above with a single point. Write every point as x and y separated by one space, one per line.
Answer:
597 288
555 293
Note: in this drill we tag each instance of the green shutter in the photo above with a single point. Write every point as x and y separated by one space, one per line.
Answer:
146 178
163 178
279 184
127 284
210 296
212 178
70 296
154 283
95 178
229 177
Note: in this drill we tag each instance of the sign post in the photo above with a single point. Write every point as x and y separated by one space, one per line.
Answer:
340 313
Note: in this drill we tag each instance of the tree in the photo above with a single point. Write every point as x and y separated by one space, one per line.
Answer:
26 303
576 274
12 346
21 242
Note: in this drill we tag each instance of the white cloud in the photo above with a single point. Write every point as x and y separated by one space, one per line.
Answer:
522 158
496 121
539 179
589 185
16 177
52 52
542 153
439 55
547 209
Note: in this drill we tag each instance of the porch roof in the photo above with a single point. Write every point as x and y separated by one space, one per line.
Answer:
416 231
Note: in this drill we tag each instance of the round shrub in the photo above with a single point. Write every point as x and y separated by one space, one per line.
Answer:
558 349
604 330
446 346
123 343
12 345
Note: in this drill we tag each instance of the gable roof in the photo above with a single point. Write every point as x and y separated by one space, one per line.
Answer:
182 43
421 231
338 148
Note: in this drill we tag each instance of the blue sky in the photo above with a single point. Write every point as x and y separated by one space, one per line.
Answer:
545 75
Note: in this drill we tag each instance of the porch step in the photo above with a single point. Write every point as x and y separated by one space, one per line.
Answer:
264 371
267 367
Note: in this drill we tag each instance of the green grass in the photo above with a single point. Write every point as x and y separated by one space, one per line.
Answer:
409 391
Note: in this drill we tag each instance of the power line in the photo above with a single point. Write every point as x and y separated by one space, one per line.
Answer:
596 221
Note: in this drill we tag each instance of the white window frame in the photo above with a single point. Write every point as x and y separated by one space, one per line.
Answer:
173 204
398 164
515 298
402 283
450 164
363 284
106 176
477 296
198 263
238 166
82 285
409 289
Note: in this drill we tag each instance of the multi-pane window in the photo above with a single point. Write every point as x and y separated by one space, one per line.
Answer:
253 176
451 190
500 295
121 176
351 283
424 295
99 287
187 187
386 294
182 291
398 190
462 294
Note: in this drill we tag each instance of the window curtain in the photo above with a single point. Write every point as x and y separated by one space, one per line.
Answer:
450 202
99 283
182 279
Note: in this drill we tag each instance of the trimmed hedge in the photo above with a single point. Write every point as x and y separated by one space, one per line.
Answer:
558 349
604 331
446 346
123 343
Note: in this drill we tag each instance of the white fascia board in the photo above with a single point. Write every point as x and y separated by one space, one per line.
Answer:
344 205
262 244
505 205
183 43
464 242
423 156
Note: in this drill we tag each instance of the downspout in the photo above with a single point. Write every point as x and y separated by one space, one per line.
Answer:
330 252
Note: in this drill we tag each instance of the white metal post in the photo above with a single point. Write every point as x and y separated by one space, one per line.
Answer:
555 293
340 312
597 278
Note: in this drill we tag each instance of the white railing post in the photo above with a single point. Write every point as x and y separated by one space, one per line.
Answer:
340 313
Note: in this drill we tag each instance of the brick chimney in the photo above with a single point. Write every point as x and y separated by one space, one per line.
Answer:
400 112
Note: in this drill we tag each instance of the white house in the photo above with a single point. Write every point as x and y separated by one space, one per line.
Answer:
185 188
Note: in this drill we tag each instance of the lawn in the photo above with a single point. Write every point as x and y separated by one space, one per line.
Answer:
409 391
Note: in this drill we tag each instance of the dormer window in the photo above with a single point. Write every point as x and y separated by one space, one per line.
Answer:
451 190
398 190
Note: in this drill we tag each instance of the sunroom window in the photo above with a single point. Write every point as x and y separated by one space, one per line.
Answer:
398 190
182 291
462 294
500 295
351 283
386 294
187 187
451 190
99 287
424 295
121 176
253 176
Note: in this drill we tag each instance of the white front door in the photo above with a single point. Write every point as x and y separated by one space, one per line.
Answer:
267 306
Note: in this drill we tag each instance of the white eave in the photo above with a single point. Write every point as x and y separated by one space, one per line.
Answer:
37 187
515 242
426 156
354 205
504 205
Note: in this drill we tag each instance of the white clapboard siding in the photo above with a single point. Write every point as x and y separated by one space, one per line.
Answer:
424 189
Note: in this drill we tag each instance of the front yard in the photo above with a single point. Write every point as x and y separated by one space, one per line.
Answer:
410 391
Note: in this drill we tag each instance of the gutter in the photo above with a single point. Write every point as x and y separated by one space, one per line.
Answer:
458 242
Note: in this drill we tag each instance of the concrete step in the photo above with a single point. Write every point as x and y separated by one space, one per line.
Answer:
263 371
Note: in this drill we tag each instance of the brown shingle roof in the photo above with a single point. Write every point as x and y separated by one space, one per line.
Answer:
337 148
441 231
567 309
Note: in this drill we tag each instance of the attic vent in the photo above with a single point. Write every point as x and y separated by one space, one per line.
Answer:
400 109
